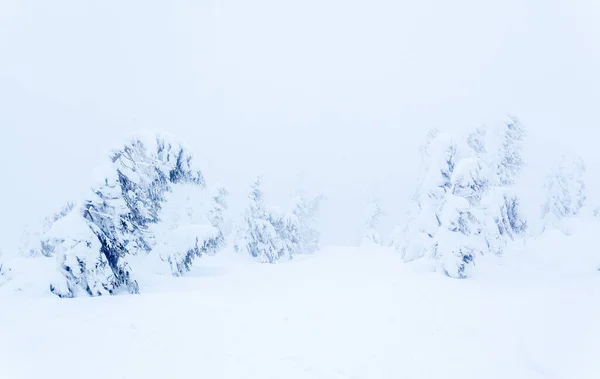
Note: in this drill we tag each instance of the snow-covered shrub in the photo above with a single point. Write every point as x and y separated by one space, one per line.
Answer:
565 191
40 243
372 237
150 198
32 242
185 230
3 271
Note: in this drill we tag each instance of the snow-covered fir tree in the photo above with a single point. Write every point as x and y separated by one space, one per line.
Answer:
508 162
476 140
263 234
457 241
501 150
565 191
216 215
304 211
286 227
465 205
430 197
149 199
371 236
463 235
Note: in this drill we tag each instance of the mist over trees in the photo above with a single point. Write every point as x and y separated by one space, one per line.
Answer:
151 211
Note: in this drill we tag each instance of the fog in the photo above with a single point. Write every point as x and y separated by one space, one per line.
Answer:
341 92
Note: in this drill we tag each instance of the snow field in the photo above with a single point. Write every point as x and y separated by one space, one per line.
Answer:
341 313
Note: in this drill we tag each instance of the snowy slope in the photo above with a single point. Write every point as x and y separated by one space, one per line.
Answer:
341 313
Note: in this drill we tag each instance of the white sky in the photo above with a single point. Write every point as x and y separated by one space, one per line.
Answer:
342 91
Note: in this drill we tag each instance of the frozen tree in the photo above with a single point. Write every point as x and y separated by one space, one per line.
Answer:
476 140
261 234
460 236
504 205
270 235
216 214
457 241
305 210
462 210
287 229
371 236
149 198
430 197
83 268
505 158
508 161
565 191
187 232
471 180
188 229
28 245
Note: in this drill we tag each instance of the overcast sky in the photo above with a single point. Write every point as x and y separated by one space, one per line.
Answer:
342 91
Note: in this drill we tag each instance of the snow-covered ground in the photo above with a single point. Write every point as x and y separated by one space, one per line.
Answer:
341 313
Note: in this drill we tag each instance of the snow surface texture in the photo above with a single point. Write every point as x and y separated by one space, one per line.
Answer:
342 313
149 199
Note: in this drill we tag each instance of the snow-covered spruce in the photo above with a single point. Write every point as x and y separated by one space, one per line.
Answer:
419 237
264 235
463 234
508 166
500 149
445 227
507 160
304 212
465 205
565 191
150 198
270 236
